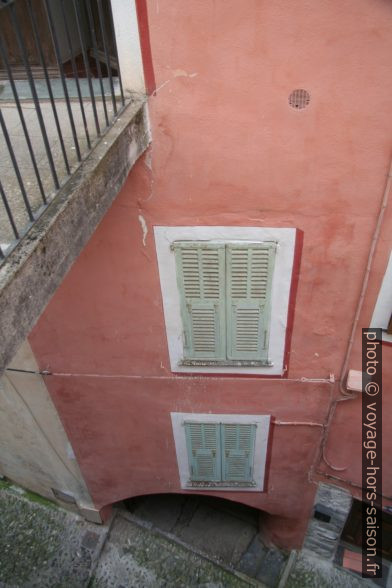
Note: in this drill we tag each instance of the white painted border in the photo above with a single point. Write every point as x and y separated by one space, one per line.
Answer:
383 308
261 444
285 238
130 59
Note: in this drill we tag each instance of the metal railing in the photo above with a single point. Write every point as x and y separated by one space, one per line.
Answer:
60 91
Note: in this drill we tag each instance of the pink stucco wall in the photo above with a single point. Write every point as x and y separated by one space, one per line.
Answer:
228 150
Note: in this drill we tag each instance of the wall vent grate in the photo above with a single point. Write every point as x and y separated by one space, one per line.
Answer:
299 99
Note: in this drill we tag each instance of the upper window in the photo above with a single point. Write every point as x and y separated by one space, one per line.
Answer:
226 296
382 315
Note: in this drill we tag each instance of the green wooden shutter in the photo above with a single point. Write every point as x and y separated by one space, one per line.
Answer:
249 269
201 283
238 443
204 455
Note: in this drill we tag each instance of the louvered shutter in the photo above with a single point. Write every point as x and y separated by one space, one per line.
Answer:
238 443
249 278
201 283
204 455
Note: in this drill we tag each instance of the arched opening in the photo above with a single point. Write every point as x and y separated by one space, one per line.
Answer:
222 529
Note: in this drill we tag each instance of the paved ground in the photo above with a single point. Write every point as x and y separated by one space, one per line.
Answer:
224 530
42 546
157 542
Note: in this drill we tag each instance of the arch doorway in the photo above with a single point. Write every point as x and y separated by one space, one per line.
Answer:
219 528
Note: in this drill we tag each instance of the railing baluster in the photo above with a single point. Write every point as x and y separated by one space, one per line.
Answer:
97 62
107 56
25 59
86 64
116 50
49 85
8 211
4 57
62 77
75 73
16 167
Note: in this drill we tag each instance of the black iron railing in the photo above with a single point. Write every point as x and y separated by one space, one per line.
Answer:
60 91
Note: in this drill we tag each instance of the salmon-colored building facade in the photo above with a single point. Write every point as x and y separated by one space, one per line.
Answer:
234 146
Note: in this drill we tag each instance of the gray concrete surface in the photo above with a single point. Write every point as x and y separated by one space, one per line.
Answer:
224 530
310 571
135 557
44 546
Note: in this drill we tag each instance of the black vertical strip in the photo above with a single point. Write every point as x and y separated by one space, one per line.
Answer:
75 72
97 62
116 50
86 62
107 56
371 453
62 76
47 79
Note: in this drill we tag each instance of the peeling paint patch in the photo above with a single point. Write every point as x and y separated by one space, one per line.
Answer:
132 152
143 224
181 73
148 159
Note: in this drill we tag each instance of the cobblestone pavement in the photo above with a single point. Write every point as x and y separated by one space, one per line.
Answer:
167 541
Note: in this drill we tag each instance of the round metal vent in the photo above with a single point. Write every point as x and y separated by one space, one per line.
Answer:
299 99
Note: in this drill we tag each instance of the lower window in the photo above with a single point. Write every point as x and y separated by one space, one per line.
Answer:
220 454
221 451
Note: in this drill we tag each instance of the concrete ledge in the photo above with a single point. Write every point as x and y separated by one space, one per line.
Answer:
36 267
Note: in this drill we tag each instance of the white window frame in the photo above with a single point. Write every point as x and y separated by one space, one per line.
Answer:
281 285
382 310
262 423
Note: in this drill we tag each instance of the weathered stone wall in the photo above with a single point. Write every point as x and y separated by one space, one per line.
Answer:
323 536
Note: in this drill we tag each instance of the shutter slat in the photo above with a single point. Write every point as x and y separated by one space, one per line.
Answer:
249 278
204 455
201 283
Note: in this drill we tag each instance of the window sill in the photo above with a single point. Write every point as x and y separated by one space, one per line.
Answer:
225 363
218 485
